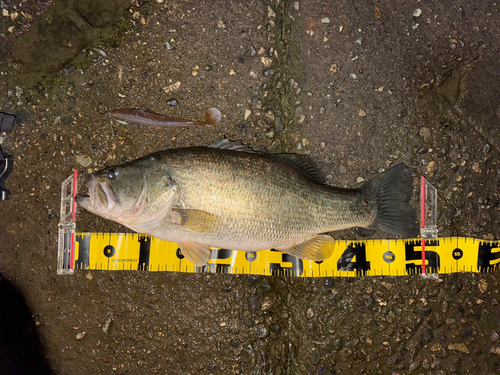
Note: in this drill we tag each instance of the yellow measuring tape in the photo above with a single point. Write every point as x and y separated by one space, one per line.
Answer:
136 252
121 251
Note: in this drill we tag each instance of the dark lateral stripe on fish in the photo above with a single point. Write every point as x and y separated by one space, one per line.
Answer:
142 117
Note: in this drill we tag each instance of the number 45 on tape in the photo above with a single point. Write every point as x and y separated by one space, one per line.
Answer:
428 255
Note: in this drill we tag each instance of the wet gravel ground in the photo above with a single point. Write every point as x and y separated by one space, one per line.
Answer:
360 87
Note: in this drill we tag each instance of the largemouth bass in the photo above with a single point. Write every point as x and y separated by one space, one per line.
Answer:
227 198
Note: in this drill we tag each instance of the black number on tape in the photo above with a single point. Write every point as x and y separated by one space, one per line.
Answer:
433 260
178 253
144 251
250 256
389 257
347 262
214 267
109 251
280 269
457 254
83 260
486 256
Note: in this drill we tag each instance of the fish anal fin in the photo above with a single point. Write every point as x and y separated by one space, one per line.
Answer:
196 253
318 248
197 221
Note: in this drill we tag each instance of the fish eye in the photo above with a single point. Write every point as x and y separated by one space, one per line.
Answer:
112 174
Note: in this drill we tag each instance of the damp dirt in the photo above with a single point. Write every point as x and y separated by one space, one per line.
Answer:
360 87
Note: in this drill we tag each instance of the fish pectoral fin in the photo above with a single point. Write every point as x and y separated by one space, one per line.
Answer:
196 220
196 253
318 248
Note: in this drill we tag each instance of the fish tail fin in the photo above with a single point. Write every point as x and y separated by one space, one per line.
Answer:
391 191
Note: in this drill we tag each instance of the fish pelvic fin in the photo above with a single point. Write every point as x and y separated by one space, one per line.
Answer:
196 253
318 248
198 221
391 192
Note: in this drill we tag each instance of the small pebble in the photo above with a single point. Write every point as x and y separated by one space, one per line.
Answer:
425 133
431 168
266 286
483 286
106 325
386 285
247 321
353 76
261 331
66 121
337 344
458 347
253 301
172 102
328 282
221 25
68 70
277 329
247 113
170 47
267 303
486 148
22 117
495 350
268 73
425 311
310 313
80 335
417 12
360 180
325 20
83 160
315 357
415 365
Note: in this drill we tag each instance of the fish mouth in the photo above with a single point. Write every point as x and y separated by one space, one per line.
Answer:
100 197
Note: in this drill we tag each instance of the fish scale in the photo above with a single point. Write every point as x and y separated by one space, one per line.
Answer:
250 191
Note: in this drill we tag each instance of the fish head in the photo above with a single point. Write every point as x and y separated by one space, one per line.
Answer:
138 194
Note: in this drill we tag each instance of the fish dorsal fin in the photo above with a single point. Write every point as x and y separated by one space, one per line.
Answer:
301 163
318 248
226 144
198 221
304 164
196 253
